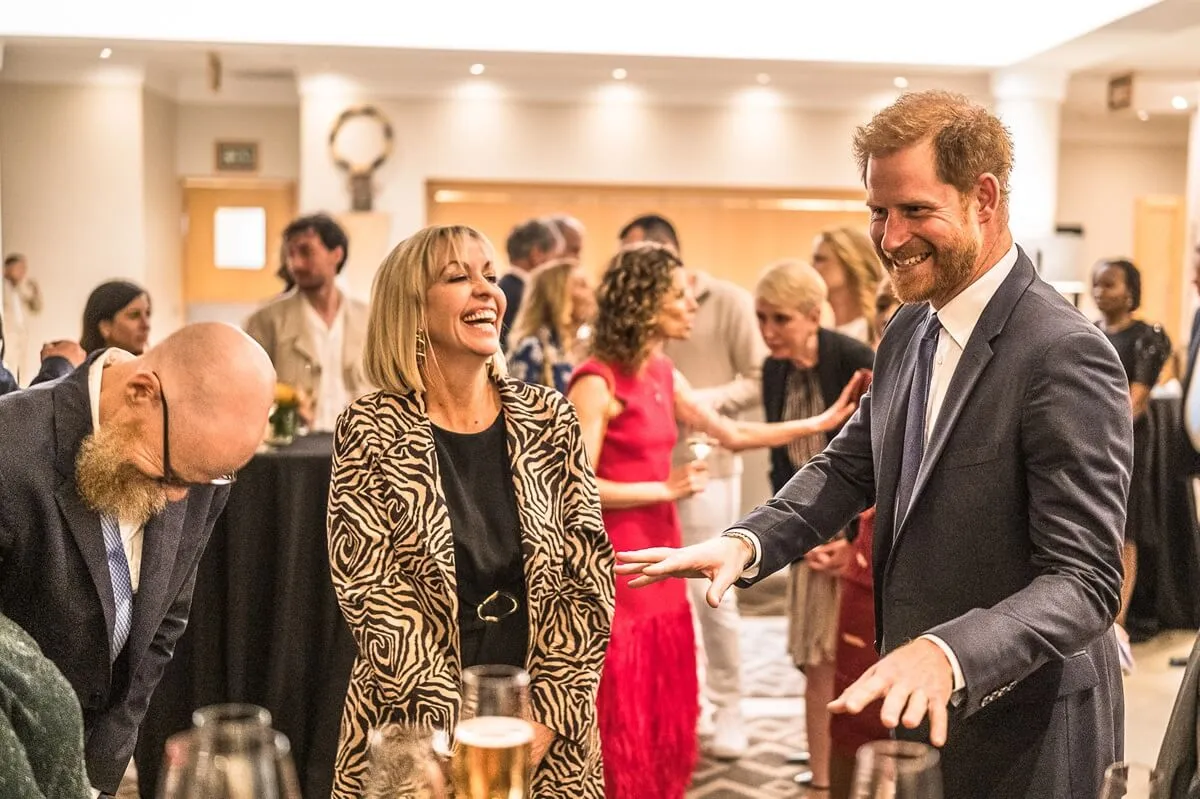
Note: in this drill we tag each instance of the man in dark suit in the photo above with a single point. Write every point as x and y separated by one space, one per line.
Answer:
996 443
530 244
107 497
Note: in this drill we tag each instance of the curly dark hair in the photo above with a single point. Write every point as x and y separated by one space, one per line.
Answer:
631 293
1133 279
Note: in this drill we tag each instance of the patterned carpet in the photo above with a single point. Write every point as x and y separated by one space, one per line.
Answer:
773 704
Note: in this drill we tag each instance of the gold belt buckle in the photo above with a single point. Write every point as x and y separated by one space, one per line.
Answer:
507 605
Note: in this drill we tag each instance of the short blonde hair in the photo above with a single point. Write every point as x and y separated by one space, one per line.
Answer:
396 356
792 284
547 302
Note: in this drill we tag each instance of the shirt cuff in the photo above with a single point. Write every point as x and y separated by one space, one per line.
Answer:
960 682
751 571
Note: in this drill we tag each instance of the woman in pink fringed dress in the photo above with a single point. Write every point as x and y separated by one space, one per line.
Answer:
629 398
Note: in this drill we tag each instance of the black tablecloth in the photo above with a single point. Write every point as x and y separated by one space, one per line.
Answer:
265 627
1167 592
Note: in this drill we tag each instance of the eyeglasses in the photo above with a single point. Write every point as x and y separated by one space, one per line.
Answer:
169 478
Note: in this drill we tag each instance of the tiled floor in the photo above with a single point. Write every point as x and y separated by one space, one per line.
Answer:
774 707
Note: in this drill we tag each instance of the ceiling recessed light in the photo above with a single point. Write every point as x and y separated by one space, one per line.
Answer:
763 79
477 69
1179 103
106 52
1143 115
900 82
619 74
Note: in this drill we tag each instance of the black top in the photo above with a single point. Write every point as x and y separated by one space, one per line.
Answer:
1143 349
477 482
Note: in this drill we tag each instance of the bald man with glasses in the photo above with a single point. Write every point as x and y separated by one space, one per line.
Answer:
107 498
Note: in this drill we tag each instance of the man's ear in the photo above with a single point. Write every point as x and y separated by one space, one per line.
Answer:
988 196
142 388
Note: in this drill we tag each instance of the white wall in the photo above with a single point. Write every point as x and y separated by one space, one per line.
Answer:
276 129
616 142
163 202
72 193
1099 183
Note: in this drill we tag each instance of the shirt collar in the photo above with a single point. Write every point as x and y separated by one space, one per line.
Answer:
960 315
96 376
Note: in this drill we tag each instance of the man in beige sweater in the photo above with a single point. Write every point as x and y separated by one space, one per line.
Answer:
722 360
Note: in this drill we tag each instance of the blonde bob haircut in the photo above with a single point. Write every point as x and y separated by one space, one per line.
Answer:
397 356
792 284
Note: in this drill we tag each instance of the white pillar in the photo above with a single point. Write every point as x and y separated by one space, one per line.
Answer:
1030 104
1187 293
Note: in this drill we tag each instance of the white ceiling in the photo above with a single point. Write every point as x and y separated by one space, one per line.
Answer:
925 32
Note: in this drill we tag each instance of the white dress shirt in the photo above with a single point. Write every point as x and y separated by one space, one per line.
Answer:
958 318
329 340
131 534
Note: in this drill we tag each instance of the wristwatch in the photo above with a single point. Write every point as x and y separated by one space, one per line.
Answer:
738 534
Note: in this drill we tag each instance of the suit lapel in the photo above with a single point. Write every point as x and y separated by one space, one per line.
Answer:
416 444
295 329
975 358
160 543
73 423
893 431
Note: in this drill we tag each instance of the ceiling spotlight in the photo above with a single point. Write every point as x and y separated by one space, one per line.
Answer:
900 82
619 74
477 69
106 52
1179 103
763 79
1143 115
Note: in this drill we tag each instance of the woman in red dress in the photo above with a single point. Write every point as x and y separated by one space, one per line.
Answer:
629 398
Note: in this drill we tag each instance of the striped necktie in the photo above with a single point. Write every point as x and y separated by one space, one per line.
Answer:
118 569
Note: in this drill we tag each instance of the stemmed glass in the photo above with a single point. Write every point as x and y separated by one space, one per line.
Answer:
897 770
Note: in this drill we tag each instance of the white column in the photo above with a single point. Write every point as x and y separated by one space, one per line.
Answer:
1187 293
1030 104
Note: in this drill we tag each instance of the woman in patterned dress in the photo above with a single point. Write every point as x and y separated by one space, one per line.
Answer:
629 398
552 325
464 523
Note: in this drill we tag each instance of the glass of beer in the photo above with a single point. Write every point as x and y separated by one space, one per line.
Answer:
897 770
493 737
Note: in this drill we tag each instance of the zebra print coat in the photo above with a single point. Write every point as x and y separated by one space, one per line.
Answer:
391 553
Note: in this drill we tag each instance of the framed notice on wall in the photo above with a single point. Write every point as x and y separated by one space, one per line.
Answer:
237 156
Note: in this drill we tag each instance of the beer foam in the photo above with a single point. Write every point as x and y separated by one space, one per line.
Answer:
494 732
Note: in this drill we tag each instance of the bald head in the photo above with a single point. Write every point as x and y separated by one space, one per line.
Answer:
571 230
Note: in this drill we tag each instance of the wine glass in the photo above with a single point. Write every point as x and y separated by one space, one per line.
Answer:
699 445
232 753
897 770
1130 781
405 762
492 742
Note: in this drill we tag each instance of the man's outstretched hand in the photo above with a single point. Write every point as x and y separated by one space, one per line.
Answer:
722 560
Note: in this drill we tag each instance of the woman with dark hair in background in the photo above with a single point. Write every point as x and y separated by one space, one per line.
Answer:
1143 349
117 314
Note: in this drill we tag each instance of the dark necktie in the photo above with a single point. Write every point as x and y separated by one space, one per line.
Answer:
914 425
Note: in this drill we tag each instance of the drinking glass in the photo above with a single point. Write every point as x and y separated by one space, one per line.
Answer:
493 738
1130 781
699 445
231 752
897 770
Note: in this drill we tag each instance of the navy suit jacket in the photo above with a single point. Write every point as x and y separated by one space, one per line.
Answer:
54 577
1010 550
514 291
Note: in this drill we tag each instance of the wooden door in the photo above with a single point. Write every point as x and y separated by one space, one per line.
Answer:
731 233
1160 232
232 243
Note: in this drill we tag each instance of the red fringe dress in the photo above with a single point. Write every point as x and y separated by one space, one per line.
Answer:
648 702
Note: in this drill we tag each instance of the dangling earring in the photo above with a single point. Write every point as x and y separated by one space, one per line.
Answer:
421 344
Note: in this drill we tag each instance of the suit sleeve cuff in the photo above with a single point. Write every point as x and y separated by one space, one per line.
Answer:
960 682
751 570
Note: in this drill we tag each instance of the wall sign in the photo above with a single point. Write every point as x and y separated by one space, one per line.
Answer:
237 156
